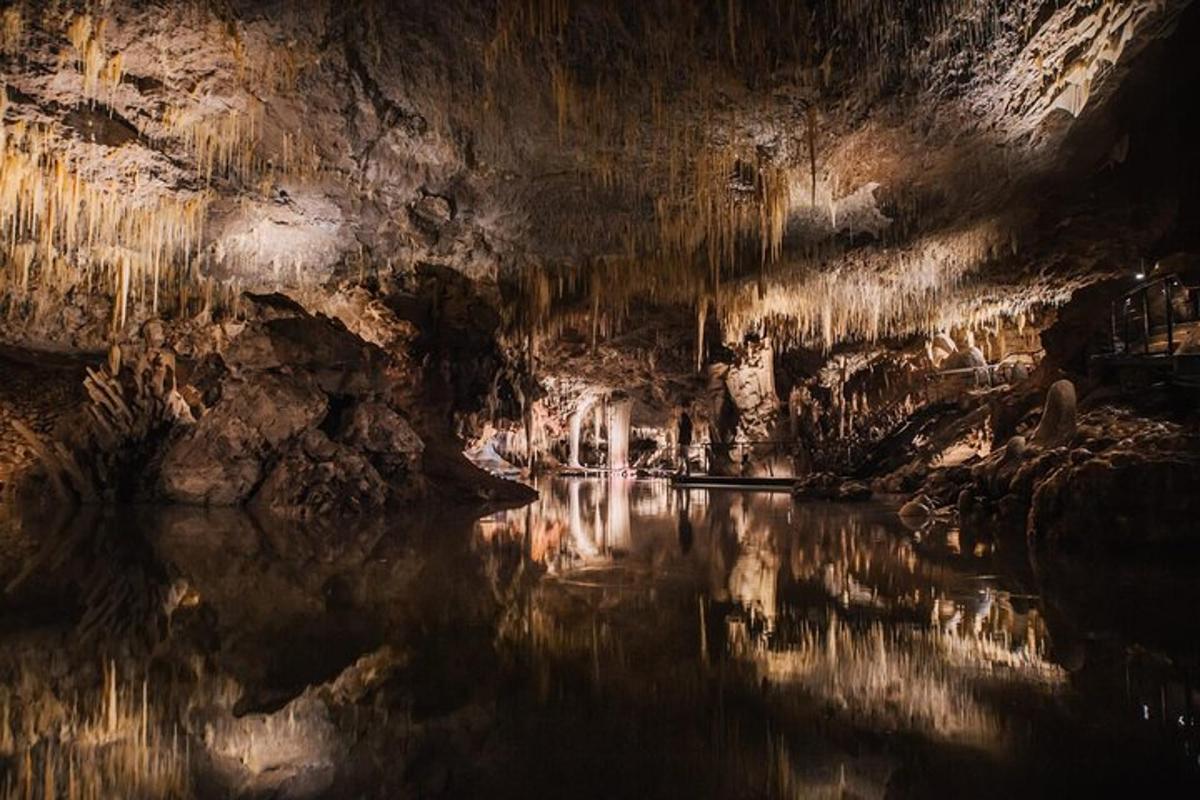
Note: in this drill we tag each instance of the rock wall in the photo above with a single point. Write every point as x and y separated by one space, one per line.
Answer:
295 416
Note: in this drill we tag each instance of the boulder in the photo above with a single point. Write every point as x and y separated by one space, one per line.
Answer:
969 358
816 486
852 491
827 486
1127 497
916 510
941 347
385 437
318 477
220 459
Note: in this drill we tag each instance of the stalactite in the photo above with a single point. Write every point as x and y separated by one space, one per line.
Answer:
56 221
811 119
12 30
65 226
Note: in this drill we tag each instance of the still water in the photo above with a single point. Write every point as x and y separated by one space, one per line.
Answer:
617 638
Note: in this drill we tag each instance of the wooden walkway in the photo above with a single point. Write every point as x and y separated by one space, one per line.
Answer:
734 482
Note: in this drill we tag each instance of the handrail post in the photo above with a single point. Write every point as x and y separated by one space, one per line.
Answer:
1112 323
1170 317
1125 325
1146 317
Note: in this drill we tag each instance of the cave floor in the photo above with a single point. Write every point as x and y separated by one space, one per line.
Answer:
614 639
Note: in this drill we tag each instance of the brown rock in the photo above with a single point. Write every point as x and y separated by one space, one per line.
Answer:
376 429
432 211
318 477
220 460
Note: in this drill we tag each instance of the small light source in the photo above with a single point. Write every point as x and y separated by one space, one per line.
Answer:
1141 276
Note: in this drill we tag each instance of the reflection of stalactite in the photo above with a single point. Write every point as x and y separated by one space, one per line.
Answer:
583 543
617 535
753 580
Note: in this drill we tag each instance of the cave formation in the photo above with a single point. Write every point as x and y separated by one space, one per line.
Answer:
375 372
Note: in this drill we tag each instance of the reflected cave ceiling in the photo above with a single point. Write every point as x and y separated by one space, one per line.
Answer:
822 171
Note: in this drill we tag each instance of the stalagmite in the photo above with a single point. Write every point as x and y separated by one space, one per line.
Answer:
1058 423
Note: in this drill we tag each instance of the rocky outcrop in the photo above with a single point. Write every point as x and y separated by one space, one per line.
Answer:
1108 480
295 415
826 486
36 393
1137 492
221 459
385 438
319 478
748 412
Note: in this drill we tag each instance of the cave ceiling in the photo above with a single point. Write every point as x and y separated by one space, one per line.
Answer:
822 171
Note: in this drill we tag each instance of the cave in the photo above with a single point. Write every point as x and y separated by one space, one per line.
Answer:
756 399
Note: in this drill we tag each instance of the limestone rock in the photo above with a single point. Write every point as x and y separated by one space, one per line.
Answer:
941 347
826 486
379 431
341 362
1058 419
750 384
1123 499
969 358
1015 448
388 442
917 509
220 460
318 477
432 211
853 491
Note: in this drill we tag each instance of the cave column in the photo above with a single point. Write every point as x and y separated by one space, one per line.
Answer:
581 411
598 413
620 409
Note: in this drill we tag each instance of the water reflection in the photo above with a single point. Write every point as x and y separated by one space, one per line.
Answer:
615 639
822 628
828 600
